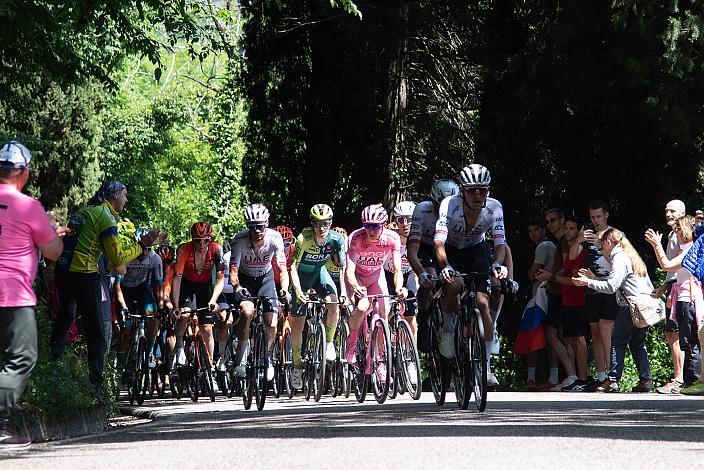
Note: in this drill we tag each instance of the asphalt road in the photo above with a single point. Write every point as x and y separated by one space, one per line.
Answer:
518 430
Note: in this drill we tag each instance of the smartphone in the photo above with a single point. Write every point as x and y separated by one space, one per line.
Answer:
589 226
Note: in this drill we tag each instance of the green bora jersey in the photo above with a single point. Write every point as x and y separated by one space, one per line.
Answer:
311 257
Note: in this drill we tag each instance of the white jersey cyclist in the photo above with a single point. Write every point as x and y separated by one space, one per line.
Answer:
139 271
451 227
257 264
423 224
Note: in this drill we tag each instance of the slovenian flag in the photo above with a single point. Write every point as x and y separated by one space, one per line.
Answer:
531 336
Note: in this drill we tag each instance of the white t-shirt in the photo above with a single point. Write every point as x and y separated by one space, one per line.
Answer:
544 256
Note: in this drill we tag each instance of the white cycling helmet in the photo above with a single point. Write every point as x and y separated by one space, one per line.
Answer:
404 209
443 188
374 214
256 213
475 175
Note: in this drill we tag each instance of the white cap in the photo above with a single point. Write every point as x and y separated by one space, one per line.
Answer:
14 155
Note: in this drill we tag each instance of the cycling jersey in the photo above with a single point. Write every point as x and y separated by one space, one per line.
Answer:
451 227
94 231
186 263
405 265
369 257
423 224
257 264
275 266
140 271
311 257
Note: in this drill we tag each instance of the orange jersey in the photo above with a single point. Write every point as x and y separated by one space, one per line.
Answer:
186 263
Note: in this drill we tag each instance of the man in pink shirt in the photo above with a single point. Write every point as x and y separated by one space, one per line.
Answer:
369 248
24 228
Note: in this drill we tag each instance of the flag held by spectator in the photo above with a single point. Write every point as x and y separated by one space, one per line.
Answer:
531 336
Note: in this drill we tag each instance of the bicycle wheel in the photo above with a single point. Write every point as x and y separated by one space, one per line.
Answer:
359 376
462 371
205 373
307 360
288 365
277 383
129 374
478 360
380 345
159 372
247 384
261 362
225 381
394 385
191 369
408 365
435 364
344 367
142 371
319 362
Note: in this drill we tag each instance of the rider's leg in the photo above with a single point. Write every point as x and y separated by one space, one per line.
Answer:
206 332
246 315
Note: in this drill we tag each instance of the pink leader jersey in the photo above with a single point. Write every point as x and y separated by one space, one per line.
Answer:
369 257
23 225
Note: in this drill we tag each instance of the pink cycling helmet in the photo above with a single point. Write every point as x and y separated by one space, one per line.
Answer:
374 214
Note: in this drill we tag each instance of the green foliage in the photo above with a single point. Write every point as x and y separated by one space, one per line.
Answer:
175 144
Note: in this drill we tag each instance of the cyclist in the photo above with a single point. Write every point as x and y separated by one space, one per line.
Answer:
403 213
369 248
460 241
335 264
198 262
143 276
251 273
314 247
168 256
421 254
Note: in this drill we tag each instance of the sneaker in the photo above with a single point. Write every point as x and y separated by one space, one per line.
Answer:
491 380
152 360
697 388
330 354
565 383
220 366
297 379
609 386
216 389
672 388
412 372
576 386
531 387
447 345
240 371
9 440
645 386
547 387
591 385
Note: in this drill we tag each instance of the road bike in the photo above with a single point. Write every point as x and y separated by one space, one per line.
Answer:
405 368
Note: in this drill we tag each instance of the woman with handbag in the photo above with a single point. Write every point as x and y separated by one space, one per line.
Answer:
686 301
628 279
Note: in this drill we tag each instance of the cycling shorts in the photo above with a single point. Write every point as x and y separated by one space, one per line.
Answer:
321 282
264 287
143 295
375 284
195 295
472 259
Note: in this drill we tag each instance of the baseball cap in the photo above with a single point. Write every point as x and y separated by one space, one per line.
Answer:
14 155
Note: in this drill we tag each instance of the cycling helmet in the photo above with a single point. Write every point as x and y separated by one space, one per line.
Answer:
167 253
256 213
201 230
320 212
475 175
374 214
140 233
443 188
340 230
404 209
286 233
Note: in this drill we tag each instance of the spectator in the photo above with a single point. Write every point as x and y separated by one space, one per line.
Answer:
601 308
673 211
573 315
543 259
24 227
555 220
628 276
93 230
685 296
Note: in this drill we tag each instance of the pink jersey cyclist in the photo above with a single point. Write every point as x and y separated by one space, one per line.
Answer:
369 258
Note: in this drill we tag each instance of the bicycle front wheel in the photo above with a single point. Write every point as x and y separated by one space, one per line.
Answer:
408 365
142 373
288 365
360 378
478 360
205 373
318 377
277 383
261 363
462 372
380 345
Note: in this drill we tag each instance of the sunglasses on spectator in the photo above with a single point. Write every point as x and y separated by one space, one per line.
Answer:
321 223
256 227
481 191
403 220
373 226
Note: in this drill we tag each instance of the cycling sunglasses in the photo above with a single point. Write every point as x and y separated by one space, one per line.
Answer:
256 227
321 223
481 191
403 220
201 240
289 243
373 226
